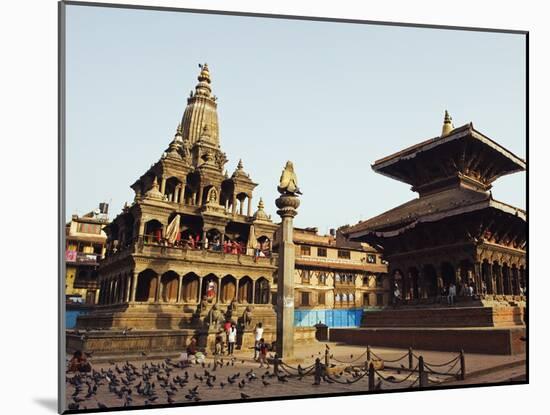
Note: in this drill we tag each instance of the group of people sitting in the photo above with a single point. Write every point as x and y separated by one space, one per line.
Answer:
194 242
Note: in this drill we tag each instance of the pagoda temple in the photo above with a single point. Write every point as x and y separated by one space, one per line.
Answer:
454 231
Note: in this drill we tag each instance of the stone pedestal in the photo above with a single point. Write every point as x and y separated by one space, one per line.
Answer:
287 205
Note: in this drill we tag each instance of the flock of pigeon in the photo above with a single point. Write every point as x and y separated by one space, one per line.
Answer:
175 382
167 381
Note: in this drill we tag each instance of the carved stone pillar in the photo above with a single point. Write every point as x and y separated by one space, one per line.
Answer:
200 288
134 286
287 204
163 185
157 295
181 200
234 204
180 288
249 205
127 293
199 198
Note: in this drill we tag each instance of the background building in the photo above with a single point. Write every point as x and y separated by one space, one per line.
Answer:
336 279
85 246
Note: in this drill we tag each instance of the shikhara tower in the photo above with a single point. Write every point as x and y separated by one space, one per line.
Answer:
151 281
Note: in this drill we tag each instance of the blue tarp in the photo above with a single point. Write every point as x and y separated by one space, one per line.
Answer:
332 318
70 318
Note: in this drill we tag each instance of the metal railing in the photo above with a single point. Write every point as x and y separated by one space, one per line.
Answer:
364 366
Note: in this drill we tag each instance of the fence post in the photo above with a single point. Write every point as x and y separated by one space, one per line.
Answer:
371 376
327 358
421 379
462 365
410 358
368 353
276 364
317 372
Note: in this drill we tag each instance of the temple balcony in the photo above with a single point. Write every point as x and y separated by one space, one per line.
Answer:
139 247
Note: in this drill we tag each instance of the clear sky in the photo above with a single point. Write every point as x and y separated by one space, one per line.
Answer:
331 97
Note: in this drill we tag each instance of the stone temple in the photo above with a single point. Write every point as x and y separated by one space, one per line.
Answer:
454 232
188 252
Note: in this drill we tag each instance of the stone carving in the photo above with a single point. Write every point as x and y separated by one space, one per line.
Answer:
231 310
288 183
212 195
201 308
247 316
215 317
186 149
220 159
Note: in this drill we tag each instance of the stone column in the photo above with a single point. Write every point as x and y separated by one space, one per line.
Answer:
287 204
182 195
234 204
250 205
237 289
199 197
163 185
180 286
134 286
176 194
200 288
253 292
157 295
128 288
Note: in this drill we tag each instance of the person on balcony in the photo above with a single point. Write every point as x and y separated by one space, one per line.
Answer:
211 290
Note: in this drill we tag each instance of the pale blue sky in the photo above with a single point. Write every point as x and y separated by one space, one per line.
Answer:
331 97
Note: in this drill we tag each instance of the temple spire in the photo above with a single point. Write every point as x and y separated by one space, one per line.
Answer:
448 126
201 110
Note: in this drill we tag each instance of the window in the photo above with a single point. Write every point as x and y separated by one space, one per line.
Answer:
89 228
366 281
342 254
366 301
305 298
305 276
98 248
305 250
379 299
321 298
322 252
371 258
379 281
322 279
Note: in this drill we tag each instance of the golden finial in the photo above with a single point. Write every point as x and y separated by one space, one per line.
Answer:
205 73
448 126
240 165
261 204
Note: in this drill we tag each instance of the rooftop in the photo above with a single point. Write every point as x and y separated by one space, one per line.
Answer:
430 208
